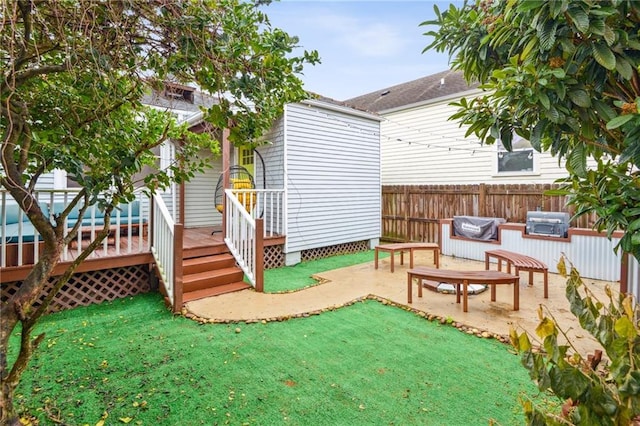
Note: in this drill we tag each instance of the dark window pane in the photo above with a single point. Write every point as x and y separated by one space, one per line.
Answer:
517 161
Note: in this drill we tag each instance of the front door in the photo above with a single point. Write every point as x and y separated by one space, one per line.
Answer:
245 155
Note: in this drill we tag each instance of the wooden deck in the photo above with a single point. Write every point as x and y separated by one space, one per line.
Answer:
133 251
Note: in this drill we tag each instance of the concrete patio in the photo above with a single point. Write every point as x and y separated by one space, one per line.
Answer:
343 286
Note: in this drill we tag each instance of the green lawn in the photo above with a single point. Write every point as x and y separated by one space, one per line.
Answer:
291 278
131 361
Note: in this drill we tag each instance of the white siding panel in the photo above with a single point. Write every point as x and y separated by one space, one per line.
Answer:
46 181
422 146
333 178
273 154
633 278
200 209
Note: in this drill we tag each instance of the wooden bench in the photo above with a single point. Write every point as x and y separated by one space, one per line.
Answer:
520 262
410 247
463 279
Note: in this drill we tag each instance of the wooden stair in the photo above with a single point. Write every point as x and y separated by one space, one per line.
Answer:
210 275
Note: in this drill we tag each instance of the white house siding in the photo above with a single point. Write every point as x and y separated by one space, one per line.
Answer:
200 209
333 177
273 154
421 146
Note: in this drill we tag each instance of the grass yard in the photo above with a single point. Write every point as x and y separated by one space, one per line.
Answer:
297 277
132 362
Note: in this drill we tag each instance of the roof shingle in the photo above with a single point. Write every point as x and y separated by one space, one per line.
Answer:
430 87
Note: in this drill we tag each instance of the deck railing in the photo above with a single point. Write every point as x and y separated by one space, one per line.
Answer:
162 246
18 236
269 206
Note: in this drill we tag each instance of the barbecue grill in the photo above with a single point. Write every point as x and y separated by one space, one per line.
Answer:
549 224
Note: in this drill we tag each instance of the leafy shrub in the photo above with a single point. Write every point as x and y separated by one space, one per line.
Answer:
608 395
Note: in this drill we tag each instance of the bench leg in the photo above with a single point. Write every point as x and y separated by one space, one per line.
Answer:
465 293
436 257
411 259
393 258
375 259
402 257
546 284
516 295
493 292
530 277
409 288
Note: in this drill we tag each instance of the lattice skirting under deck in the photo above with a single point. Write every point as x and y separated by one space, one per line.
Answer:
273 257
346 248
87 288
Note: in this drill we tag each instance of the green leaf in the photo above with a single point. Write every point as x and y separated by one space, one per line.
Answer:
603 55
577 160
580 19
544 100
609 35
547 35
619 121
527 49
556 8
624 327
604 110
580 98
528 5
624 68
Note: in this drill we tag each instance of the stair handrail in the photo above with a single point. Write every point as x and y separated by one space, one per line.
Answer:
163 246
241 237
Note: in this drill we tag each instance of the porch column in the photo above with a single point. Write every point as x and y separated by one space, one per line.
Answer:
226 160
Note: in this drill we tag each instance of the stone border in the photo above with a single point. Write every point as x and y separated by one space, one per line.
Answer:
429 317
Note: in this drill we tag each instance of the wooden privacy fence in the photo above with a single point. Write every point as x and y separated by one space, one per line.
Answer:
411 212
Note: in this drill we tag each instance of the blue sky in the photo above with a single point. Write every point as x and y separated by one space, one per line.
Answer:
363 45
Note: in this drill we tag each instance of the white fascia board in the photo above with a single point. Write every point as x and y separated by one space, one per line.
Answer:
342 109
193 119
452 96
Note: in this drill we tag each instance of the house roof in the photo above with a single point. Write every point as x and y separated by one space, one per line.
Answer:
442 84
339 106
157 100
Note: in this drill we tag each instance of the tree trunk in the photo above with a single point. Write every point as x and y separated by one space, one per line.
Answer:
20 308
8 414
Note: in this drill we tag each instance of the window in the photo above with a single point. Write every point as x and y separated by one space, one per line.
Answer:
245 155
176 91
521 159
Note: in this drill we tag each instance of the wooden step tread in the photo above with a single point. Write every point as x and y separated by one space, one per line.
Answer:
211 274
215 291
206 259
207 263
